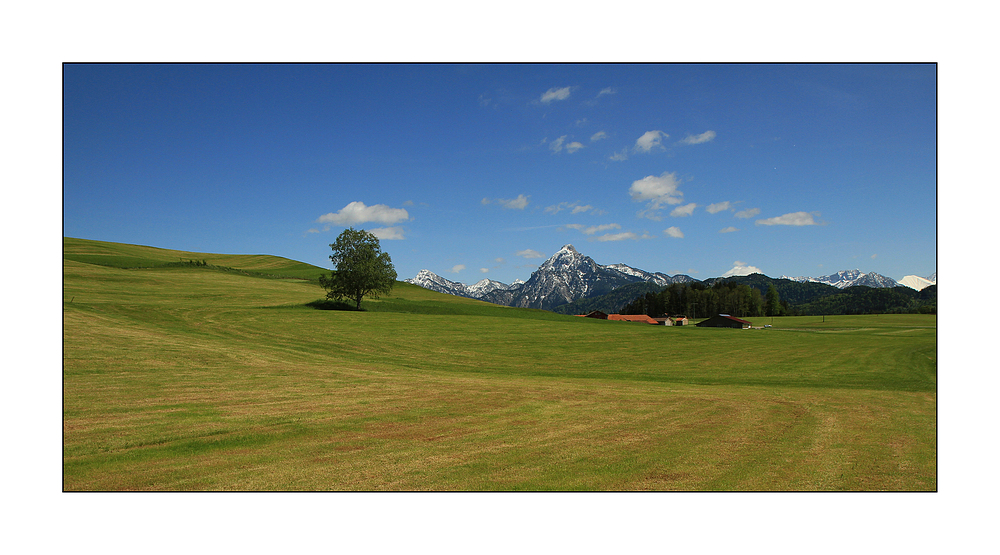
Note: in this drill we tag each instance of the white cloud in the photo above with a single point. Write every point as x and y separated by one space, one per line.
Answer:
617 236
555 94
685 210
717 207
529 253
619 156
484 270
698 139
499 260
674 231
574 207
357 212
573 147
742 269
557 144
606 90
518 203
650 140
749 213
457 268
388 233
729 229
793 218
657 190
873 256
603 227
598 136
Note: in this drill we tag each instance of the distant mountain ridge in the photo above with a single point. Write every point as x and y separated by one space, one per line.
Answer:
849 278
571 277
565 277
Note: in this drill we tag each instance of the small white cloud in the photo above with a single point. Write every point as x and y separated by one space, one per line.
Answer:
698 139
574 207
742 269
619 156
555 94
457 268
657 190
529 253
518 203
499 260
606 90
749 213
793 218
312 230
682 211
408 203
598 136
573 147
596 228
617 236
484 270
357 213
557 145
578 209
674 231
650 140
873 256
717 207
729 229
388 233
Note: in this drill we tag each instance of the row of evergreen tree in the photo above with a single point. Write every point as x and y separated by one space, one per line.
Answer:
758 295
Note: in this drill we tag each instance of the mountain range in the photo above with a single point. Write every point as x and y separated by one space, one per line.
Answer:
569 276
565 277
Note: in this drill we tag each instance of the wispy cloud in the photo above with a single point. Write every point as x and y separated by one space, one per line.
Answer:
748 213
717 207
729 229
357 213
650 140
573 147
603 227
559 144
573 207
617 236
598 136
518 203
388 233
742 269
619 156
793 218
682 211
457 268
555 94
674 231
484 270
607 90
529 254
698 139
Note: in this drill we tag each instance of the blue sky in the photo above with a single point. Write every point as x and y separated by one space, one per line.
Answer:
475 171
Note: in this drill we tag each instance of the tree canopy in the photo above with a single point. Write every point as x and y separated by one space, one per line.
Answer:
361 268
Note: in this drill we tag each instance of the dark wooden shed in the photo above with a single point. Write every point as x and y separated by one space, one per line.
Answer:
724 321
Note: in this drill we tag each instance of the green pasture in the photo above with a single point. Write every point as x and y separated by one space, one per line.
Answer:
207 378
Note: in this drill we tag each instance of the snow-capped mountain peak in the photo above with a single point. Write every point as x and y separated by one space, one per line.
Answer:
849 278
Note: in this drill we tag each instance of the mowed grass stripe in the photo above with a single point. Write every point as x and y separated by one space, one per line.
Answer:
188 379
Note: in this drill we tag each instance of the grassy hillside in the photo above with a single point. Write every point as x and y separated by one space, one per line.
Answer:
188 378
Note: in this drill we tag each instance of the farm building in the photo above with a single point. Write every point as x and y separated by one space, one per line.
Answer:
633 318
724 321
677 320
595 314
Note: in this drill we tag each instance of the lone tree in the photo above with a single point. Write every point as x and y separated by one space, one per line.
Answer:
772 302
362 269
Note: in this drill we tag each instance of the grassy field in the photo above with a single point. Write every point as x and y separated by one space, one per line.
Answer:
221 377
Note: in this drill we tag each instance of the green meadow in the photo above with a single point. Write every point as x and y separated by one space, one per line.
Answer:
227 374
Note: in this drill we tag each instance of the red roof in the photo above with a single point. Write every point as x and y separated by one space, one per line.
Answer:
632 318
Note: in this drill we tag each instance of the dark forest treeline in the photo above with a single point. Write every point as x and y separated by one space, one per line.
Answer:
758 295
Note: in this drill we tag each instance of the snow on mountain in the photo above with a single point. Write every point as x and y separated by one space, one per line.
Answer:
918 283
566 276
849 278
429 280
